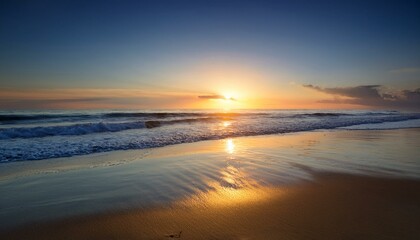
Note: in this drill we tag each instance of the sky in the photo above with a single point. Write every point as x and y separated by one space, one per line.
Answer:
178 54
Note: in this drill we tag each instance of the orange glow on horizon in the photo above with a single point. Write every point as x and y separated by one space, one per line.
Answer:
237 87
229 85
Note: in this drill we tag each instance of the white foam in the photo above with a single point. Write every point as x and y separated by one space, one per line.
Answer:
415 123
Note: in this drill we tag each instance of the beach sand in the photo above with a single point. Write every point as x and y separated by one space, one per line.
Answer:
334 206
317 185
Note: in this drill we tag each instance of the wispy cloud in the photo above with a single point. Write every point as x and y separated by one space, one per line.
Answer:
215 96
371 95
90 99
406 70
65 103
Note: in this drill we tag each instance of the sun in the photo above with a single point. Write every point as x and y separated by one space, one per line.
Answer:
223 100
228 101
228 97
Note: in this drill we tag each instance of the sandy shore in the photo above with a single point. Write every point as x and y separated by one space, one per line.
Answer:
316 185
334 206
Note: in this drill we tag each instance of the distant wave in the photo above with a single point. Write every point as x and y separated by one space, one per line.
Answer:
88 128
153 114
337 114
15 118
321 114
77 129
25 117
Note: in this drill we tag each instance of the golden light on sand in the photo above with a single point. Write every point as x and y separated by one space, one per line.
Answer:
233 187
226 197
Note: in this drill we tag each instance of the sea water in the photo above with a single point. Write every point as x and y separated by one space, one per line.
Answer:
36 135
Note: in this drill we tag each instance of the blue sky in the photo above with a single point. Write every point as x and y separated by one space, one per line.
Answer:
154 44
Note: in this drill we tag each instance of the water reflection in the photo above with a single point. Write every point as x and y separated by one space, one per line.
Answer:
226 124
223 127
230 146
226 197
231 176
234 186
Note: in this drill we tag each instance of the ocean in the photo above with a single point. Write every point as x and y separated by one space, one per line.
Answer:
36 135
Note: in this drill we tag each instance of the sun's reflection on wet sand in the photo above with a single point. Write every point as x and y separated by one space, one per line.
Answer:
231 176
230 146
225 196
234 185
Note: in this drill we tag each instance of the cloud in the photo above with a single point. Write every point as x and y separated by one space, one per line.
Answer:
51 103
76 100
367 91
215 96
92 99
372 95
211 96
406 70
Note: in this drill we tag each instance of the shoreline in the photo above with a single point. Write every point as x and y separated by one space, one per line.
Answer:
25 168
82 193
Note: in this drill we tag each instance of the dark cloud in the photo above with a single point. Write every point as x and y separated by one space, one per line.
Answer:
367 91
372 95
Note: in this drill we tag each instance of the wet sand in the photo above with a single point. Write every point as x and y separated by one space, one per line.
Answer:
334 206
316 185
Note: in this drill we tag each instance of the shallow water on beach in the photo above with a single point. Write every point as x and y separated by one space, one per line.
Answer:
56 134
235 166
